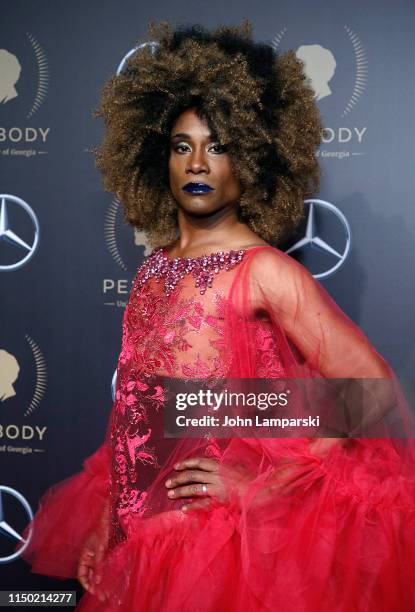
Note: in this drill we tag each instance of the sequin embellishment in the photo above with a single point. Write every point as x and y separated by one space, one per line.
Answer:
203 268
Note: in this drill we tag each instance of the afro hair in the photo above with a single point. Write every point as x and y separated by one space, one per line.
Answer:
257 103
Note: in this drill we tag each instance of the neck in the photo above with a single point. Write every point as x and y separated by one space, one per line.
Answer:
218 231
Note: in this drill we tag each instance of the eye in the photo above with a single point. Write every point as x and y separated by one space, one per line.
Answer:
219 148
183 148
179 147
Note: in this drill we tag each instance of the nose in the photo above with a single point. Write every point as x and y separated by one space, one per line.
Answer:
197 162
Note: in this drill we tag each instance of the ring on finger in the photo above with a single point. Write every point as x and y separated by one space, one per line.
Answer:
204 489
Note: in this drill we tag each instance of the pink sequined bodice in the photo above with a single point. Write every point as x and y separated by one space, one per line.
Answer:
202 268
173 326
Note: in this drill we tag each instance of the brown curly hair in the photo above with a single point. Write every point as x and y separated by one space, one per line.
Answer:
257 104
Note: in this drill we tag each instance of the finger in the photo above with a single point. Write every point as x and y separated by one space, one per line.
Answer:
86 581
202 503
201 463
195 490
99 557
82 577
100 552
188 476
85 569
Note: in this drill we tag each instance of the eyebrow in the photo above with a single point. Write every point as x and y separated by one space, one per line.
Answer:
184 135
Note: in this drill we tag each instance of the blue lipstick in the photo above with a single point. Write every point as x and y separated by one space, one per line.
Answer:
197 188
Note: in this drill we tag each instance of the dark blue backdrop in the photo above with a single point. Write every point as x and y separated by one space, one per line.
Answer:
61 311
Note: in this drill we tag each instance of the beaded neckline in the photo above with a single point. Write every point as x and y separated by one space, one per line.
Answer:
160 265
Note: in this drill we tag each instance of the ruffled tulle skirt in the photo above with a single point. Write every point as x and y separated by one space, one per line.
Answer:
336 534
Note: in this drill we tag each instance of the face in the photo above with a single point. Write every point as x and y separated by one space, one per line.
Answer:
202 180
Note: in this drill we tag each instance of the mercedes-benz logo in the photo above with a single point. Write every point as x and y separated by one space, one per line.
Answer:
8 235
152 44
313 240
6 529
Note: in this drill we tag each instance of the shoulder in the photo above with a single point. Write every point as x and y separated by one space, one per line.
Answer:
269 266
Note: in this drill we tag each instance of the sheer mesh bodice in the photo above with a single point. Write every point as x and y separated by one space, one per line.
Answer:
182 334
176 334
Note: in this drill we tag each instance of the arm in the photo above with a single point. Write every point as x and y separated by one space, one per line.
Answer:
321 331
328 341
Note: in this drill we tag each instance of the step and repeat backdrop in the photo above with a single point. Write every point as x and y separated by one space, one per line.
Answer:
67 259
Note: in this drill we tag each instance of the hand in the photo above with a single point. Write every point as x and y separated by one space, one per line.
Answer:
207 479
91 556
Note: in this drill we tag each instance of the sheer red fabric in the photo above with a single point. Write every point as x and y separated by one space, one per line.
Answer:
313 524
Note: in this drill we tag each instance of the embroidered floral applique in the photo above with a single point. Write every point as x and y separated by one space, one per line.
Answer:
179 334
268 359
158 328
130 437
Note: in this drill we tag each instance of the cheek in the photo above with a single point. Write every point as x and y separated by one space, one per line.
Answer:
225 170
230 179
173 170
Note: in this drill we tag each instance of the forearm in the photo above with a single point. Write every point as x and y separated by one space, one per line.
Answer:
367 403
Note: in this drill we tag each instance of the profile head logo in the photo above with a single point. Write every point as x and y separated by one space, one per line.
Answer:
10 70
122 248
18 368
322 64
118 242
319 66
23 72
9 371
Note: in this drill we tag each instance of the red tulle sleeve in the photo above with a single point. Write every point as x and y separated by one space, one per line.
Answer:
304 315
317 512
315 339
68 512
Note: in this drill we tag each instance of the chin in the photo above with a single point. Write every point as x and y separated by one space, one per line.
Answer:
200 211
199 205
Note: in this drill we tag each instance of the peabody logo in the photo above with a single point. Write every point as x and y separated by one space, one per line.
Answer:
24 82
337 71
19 232
324 219
122 243
15 514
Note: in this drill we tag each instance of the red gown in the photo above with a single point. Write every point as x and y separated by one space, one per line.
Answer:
315 529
